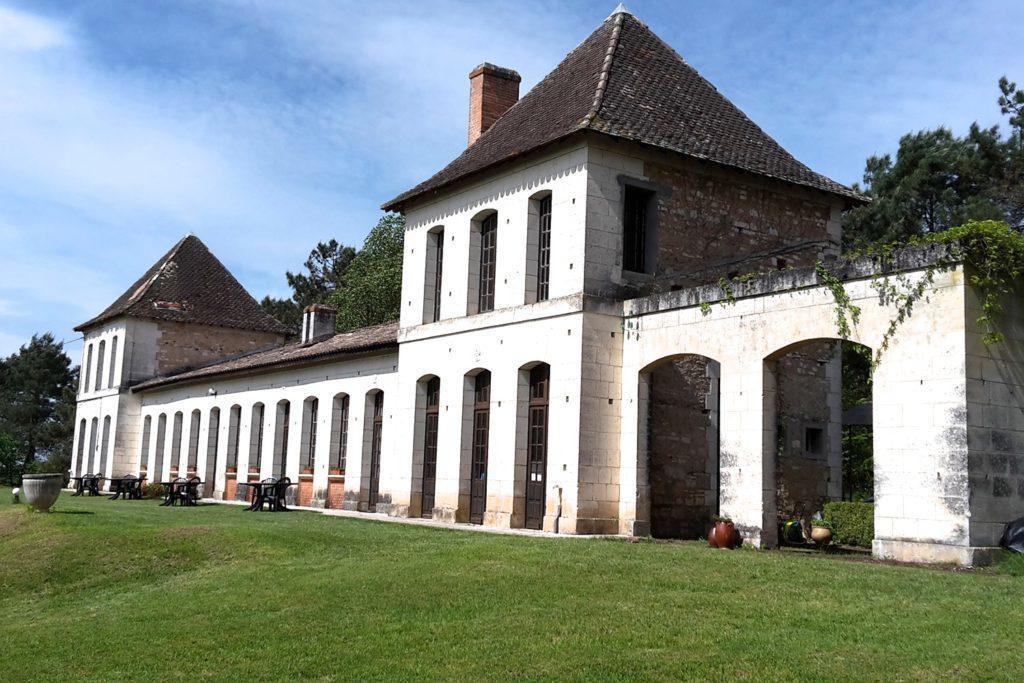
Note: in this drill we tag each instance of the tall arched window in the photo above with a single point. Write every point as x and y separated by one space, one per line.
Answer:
282 424
94 428
113 363
104 447
161 440
99 365
537 445
373 436
430 422
339 434
88 369
212 454
147 425
193 442
310 408
234 429
481 446
179 418
82 436
256 436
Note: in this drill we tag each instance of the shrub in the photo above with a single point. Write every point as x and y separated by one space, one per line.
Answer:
852 523
821 523
153 490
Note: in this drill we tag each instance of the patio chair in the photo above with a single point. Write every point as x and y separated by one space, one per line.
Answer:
276 495
191 491
264 493
173 491
93 485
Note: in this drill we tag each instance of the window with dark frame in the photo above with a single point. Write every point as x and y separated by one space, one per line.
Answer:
634 228
342 452
430 447
311 437
488 262
235 425
438 265
375 443
544 248
481 444
537 446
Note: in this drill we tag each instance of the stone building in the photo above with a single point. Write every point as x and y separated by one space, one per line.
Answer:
564 360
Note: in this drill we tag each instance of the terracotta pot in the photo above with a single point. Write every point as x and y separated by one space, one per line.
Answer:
821 535
724 535
41 490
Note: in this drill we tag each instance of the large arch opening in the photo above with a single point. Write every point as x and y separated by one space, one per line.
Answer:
679 445
818 431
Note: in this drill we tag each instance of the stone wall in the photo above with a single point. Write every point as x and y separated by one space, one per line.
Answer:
682 447
806 419
182 345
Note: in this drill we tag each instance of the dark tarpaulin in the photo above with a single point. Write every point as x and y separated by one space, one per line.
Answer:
1013 536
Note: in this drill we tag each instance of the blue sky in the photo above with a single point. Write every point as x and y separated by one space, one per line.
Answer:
264 127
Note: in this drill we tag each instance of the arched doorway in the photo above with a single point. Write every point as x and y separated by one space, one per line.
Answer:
679 444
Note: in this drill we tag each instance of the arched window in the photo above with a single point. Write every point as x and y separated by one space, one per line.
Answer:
147 425
212 443
373 435
113 363
104 447
256 436
479 412
93 437
161 439
88 368
431 404
99 365
537 445
193 442
82 436
310 408
234 428
282 424
339 434
176 443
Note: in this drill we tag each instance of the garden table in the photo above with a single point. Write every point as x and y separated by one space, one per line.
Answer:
79 485
171 490
257 493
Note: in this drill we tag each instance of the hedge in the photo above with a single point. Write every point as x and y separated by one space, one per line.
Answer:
852 523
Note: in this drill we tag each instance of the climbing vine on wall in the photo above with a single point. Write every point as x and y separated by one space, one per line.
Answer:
992 252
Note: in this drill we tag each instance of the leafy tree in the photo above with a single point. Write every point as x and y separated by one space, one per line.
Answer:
10 460
325 271
372 290
35 386
939 180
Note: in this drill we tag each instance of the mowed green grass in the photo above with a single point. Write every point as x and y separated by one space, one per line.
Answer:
107 590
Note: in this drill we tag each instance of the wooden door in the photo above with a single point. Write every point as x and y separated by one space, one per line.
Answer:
430 448
537 447
378 428
481 433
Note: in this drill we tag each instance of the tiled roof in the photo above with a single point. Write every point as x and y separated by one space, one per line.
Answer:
626 82
190 285
362 340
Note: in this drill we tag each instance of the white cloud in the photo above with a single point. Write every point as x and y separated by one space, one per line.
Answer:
29 33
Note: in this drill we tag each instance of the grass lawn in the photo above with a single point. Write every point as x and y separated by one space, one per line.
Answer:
128 590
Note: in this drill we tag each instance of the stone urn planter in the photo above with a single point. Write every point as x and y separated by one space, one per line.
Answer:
724 535
821 535
41 490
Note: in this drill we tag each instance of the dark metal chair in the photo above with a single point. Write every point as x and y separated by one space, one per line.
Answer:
173 488
276 495
264 493
189 493
92 485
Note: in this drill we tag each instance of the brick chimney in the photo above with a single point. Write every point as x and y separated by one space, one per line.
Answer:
317 322
492 90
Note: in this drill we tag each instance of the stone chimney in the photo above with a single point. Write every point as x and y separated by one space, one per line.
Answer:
317 322
492 90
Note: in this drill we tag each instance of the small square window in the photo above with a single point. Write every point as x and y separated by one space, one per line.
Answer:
814 440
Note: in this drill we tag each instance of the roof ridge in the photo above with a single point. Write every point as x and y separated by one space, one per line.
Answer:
606 67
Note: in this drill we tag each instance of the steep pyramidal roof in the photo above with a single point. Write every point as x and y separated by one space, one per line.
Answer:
626 82
190 285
